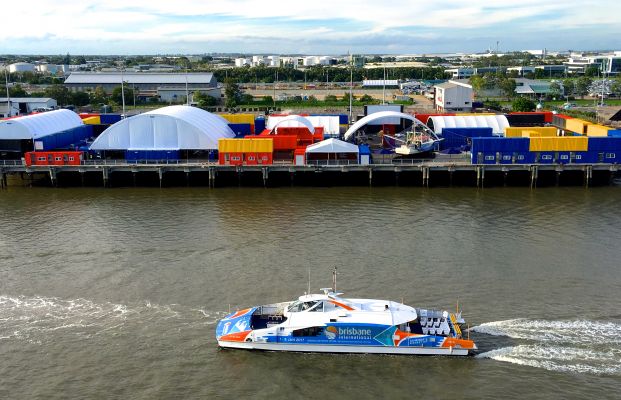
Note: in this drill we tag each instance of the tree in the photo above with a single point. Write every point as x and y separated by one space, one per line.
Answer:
569 87
615 87
67 59
591 71
582 86
232 92
99 96
17 91
59 93
523 104
477 82
507 86
79 98
556 90
127 91
365 99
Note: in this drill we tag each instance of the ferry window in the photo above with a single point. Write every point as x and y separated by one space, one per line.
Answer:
312 331
295 307
317 307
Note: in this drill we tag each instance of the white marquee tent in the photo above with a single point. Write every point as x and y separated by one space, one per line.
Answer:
498 123
39 125
167 128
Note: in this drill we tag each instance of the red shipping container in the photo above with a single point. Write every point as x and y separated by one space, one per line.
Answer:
53 158
425 117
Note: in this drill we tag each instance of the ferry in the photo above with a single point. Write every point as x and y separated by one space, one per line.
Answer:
330 323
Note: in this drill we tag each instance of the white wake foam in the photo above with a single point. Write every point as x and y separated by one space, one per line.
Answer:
35 319
577 346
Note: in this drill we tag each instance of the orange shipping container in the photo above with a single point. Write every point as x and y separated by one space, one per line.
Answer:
597 130
561 143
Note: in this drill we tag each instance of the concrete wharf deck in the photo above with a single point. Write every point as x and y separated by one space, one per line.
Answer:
423 171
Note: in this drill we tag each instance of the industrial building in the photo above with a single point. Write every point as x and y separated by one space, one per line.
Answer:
25 105
453 96
167 86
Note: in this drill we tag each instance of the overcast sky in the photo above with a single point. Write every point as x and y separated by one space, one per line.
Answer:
306 27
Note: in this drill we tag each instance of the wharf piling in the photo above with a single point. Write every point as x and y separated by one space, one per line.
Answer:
213 175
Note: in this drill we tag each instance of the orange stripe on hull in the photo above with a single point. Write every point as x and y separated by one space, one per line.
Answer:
235 337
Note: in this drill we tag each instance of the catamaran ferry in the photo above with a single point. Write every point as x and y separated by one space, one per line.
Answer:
332 324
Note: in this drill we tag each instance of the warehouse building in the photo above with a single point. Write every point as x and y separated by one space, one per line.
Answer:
25 105
167 86
453 96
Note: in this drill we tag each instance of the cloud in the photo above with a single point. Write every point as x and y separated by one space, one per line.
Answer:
320 26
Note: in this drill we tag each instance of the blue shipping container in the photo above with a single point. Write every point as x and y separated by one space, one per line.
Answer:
611 144
524 157
614 133
109 119
457 137
503 145
241 130
563 157
544 157
135 155
584 157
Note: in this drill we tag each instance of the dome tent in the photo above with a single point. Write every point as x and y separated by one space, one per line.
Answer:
167 128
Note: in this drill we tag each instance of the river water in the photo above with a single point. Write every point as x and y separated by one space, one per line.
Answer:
114 293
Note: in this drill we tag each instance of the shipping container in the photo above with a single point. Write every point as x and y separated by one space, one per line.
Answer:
597 130
153 155
498 144
281 142
544 157
577 125
561 143
239 118
425 117
605 144
241 130
53 158
547 115
614 133
64 139
94 120
299 156
560 120
584 157
110 119
532 119
458 137
541 131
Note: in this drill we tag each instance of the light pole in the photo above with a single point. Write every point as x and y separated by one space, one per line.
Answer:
8 95
122 93
351 85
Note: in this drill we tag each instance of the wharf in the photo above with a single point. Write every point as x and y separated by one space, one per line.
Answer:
398 172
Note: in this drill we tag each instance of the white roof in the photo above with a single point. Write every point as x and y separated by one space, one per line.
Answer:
139 77
329 123
167 128
38 125
498 123
27 99
380 115
332 146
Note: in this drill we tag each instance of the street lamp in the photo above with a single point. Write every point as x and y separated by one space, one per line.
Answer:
8 95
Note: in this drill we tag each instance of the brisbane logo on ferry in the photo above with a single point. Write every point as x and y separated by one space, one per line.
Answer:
347 332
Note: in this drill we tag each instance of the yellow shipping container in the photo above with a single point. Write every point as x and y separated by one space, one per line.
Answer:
597 130
253 145
94 120
526 131
239 118
531 134
577 125
561 143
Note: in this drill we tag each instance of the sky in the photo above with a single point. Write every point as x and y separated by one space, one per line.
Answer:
319 27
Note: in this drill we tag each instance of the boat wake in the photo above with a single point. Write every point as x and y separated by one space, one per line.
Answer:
578 346
38 319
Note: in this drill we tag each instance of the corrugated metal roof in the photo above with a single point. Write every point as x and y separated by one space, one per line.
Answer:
446 85
138 78
27 99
